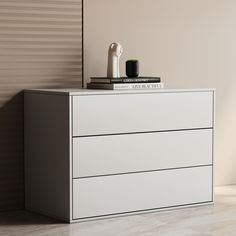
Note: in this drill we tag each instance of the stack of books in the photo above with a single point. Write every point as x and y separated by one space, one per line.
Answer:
125 83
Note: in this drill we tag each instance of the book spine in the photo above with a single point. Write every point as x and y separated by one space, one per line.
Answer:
125 80
138 86
141 80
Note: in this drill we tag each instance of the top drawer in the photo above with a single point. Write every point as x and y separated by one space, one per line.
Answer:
127 113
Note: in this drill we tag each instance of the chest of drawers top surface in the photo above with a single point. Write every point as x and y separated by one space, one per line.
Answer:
80 92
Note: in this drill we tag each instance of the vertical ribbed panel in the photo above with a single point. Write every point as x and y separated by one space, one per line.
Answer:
40 46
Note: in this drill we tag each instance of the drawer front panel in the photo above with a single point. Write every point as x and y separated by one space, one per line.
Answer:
103 155
127 113
141 191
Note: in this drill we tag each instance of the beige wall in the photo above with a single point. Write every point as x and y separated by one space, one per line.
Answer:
189 43
40 46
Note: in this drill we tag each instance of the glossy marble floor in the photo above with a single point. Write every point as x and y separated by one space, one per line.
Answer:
217 220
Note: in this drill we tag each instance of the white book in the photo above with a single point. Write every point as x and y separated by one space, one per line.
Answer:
124 86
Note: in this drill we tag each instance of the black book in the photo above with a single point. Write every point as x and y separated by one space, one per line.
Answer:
125 80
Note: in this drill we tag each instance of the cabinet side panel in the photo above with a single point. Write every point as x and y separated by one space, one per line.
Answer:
47 154
213 142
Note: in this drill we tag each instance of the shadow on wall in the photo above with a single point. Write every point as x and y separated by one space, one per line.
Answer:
11 154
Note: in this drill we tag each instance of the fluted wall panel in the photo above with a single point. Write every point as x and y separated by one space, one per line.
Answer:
40 46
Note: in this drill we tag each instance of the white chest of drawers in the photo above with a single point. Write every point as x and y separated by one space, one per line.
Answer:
92 154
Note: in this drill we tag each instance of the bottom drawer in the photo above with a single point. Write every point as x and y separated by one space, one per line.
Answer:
141 191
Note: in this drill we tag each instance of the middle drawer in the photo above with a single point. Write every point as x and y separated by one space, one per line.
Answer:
117 154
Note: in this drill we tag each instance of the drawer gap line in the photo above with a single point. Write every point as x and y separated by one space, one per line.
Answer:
142 132
144 171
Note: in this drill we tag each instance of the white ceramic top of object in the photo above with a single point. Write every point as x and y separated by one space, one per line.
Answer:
113 66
